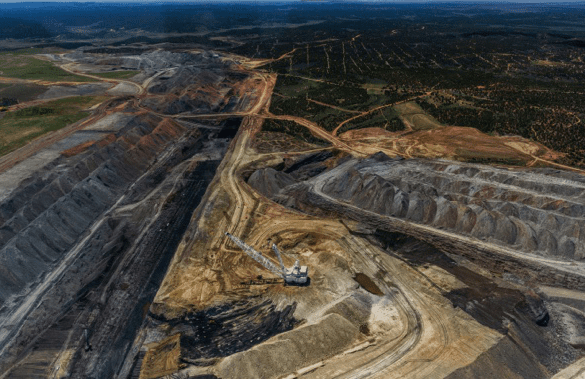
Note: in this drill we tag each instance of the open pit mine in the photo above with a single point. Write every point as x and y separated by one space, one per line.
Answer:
140 242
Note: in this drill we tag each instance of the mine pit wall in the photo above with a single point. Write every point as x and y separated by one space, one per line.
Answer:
43 219
213 333
110 283
525 348
122 315
483 256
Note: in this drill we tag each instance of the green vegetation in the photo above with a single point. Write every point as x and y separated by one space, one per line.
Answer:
488 158
326 117
30 51
502 82
23 66
116 74
385 118
8 101
292 128
329 104
18 128
544 116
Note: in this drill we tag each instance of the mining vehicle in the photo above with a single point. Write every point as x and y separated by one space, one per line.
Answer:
296 274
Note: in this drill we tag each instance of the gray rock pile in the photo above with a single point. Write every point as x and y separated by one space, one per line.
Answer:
268 181
42 219
536 211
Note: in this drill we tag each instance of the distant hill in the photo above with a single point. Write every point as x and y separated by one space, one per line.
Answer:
18 28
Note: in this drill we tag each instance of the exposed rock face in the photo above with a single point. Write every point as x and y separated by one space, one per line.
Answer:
180 82
191 89
504 360
573 371
225 329
574 322
101 224
536 211
292 350
42 220
307 166
151 60
270 181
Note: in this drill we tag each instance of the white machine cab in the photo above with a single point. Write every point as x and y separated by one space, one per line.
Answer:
297 274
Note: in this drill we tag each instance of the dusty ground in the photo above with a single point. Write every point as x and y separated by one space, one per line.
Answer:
212 314
411 331
207 271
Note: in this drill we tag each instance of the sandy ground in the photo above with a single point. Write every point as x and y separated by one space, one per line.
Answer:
123 89
574 371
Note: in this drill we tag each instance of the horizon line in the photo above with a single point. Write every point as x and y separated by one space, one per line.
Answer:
168 2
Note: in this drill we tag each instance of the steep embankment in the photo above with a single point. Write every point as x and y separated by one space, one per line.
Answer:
42 220
90 222
483 218
74 224
537 212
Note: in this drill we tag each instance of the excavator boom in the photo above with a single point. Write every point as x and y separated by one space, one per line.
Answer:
258 257
277 252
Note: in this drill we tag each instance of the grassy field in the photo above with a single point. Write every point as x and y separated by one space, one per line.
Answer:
386 118
23 66
18 128
116 74
486 157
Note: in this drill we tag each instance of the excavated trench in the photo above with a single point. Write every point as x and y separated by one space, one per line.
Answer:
86 243
89 224
515 311
222 330
131 292
498 293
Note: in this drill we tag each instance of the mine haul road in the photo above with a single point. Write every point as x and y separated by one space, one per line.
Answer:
12 325
401 357
424 323
428 336
385 354
68 67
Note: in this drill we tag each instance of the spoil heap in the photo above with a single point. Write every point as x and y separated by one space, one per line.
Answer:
536 211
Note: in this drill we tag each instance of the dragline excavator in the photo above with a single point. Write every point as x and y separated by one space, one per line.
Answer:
297 274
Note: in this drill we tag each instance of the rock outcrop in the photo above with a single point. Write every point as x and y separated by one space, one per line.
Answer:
269 181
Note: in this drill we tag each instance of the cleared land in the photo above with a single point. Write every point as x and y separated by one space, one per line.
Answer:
116 74
418 267
19 127
24 66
